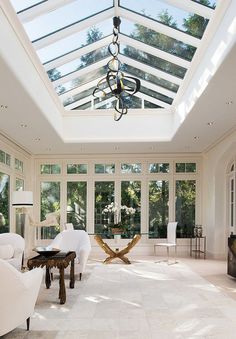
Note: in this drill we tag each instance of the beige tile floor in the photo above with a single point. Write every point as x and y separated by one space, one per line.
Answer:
145 300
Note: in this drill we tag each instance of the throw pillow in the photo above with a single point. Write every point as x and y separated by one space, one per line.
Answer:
6 251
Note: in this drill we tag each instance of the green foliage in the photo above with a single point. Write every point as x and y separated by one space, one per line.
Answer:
4 202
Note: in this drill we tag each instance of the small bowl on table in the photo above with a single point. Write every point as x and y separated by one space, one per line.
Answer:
46 251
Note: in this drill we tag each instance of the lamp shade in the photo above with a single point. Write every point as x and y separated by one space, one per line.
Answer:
22 198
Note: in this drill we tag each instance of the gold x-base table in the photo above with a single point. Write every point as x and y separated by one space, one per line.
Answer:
117 254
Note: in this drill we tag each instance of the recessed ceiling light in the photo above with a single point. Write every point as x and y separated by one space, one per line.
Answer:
3 106
210 123
37 139
23 125
230 102
196 137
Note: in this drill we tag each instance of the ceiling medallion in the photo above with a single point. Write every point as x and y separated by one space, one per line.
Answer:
118 84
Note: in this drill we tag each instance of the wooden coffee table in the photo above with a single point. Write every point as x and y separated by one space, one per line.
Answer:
60 261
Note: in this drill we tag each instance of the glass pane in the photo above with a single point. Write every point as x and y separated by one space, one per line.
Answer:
158 208
153 61
8 160
63 17
50 169
104 195
158 40
77 169
159 168
191 167
148 104
168 15
2 157
150 78
185 200
49 202
156 95
82 62
83 79
207 3
4 202
75 41
23 4
180 167
105 168
19 184
131 197
77 204
130 168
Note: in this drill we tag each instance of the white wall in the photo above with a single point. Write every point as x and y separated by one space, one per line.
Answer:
214 199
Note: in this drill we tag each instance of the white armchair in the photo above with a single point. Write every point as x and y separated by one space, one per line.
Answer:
74 240
12 248
18 295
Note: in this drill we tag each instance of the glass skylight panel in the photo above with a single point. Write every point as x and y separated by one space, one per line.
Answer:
208 3
153 61
83 79
150 78
80 63
64 16
158 40
168 15
75 41
78 96
21 5
156 95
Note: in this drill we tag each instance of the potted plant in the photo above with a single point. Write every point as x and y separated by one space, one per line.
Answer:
118 217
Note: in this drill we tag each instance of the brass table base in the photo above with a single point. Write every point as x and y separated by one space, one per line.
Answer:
117 254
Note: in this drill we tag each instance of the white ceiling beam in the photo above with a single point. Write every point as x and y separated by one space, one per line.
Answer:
81 72
101 103
64 59
149 69
154 51
159 27
74 28
41 9
192 7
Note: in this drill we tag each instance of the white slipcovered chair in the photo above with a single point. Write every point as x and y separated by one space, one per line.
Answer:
12 248
74 240
171 239
18 295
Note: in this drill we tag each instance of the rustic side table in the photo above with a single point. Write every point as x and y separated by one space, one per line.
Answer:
60 260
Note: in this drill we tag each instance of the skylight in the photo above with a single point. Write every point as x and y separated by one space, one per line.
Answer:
158 42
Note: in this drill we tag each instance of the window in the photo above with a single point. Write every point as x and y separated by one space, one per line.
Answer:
77 169
77 203
18 165
20 218
4 202
185 199
104 168
50 169
158 208
5 158
104 195
130 168
50 202
159 168
131 197
19 184
188 167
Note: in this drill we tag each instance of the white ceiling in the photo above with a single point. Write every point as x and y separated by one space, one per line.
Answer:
31 101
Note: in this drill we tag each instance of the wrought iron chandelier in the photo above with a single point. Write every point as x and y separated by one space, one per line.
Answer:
115 78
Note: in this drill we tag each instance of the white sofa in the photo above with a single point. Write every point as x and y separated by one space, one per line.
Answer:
74 240
12 248
18 295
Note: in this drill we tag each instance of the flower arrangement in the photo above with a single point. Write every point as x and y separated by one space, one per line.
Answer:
118 215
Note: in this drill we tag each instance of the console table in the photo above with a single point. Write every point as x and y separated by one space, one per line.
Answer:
198 247
60 260
117 253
